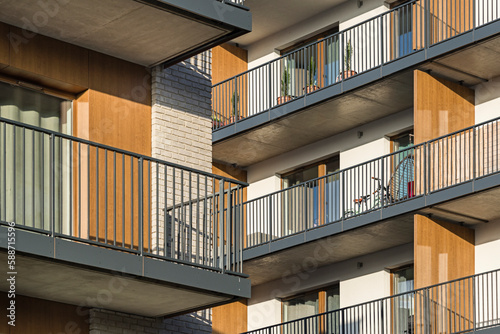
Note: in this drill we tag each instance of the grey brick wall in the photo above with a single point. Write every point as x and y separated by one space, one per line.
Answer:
109 322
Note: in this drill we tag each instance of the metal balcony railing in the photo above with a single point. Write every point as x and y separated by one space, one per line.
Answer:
402 31
74 189
237 2
391 179
458 306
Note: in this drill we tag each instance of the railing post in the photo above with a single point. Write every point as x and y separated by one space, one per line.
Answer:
221 225
473 304
140 204
427 28
382 183
381 22
343 194
426 311
270 96
342 51
52 179
270 219
423 168
474 143
228 228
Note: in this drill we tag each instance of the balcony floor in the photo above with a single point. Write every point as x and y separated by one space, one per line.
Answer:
470 58
471 203
90 276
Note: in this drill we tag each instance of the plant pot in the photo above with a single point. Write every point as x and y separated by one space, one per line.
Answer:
283 99
232 119
310 89
346 74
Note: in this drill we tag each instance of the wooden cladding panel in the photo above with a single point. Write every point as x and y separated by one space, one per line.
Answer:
230 318
440 107
50 58
227 61
4 45
443 251
35 316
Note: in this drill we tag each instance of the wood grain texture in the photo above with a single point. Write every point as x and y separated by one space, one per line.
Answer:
230 318
443 251
227 61
4 45
440 107
50 58
34 316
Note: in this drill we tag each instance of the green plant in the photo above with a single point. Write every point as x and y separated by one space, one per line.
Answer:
285 82
348 56
235 100
312 72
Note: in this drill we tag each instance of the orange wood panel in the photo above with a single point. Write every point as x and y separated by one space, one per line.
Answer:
227 61
233 173
440 107
443 251
35 316
4 45
230 318
49 58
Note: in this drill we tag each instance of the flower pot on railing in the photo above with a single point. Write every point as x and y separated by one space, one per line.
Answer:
310 89
233 118
283 99
345 75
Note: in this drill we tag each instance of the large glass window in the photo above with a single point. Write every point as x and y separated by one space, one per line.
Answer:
402 282
25 162
310 304
316 202
401 183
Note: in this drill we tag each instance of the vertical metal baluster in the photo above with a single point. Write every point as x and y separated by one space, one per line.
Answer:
132 202
97 193
123 201
105 196
172 226
114 198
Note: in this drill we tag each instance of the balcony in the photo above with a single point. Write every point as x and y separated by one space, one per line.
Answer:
302 97
169 30
369 207
95 225
469 304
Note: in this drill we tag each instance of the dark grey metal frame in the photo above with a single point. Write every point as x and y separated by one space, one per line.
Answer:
191 236
463 305
440 169
378 59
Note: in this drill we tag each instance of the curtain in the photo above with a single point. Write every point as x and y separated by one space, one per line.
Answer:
25 175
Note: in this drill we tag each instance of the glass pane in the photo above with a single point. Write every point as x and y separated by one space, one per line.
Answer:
300 176
27 165
403 281
300 307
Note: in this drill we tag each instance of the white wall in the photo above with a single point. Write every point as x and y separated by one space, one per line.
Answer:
357 285
487 250
487 100
347 14
353 150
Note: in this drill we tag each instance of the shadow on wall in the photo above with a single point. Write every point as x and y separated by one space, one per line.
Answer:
185 86
197 322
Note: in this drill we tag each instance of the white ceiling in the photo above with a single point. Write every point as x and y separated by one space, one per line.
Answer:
272 16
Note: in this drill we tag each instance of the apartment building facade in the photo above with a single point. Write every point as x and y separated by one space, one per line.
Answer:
111 220
368 134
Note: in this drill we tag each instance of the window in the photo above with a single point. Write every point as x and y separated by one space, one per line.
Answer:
401 183
403 26
311 303
402 282
315 65
27 189
317 201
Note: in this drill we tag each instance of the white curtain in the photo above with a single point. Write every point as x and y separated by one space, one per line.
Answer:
25 158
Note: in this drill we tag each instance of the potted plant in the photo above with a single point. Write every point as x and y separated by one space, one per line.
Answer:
311 77
285 85
348 72
235 100
216 121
